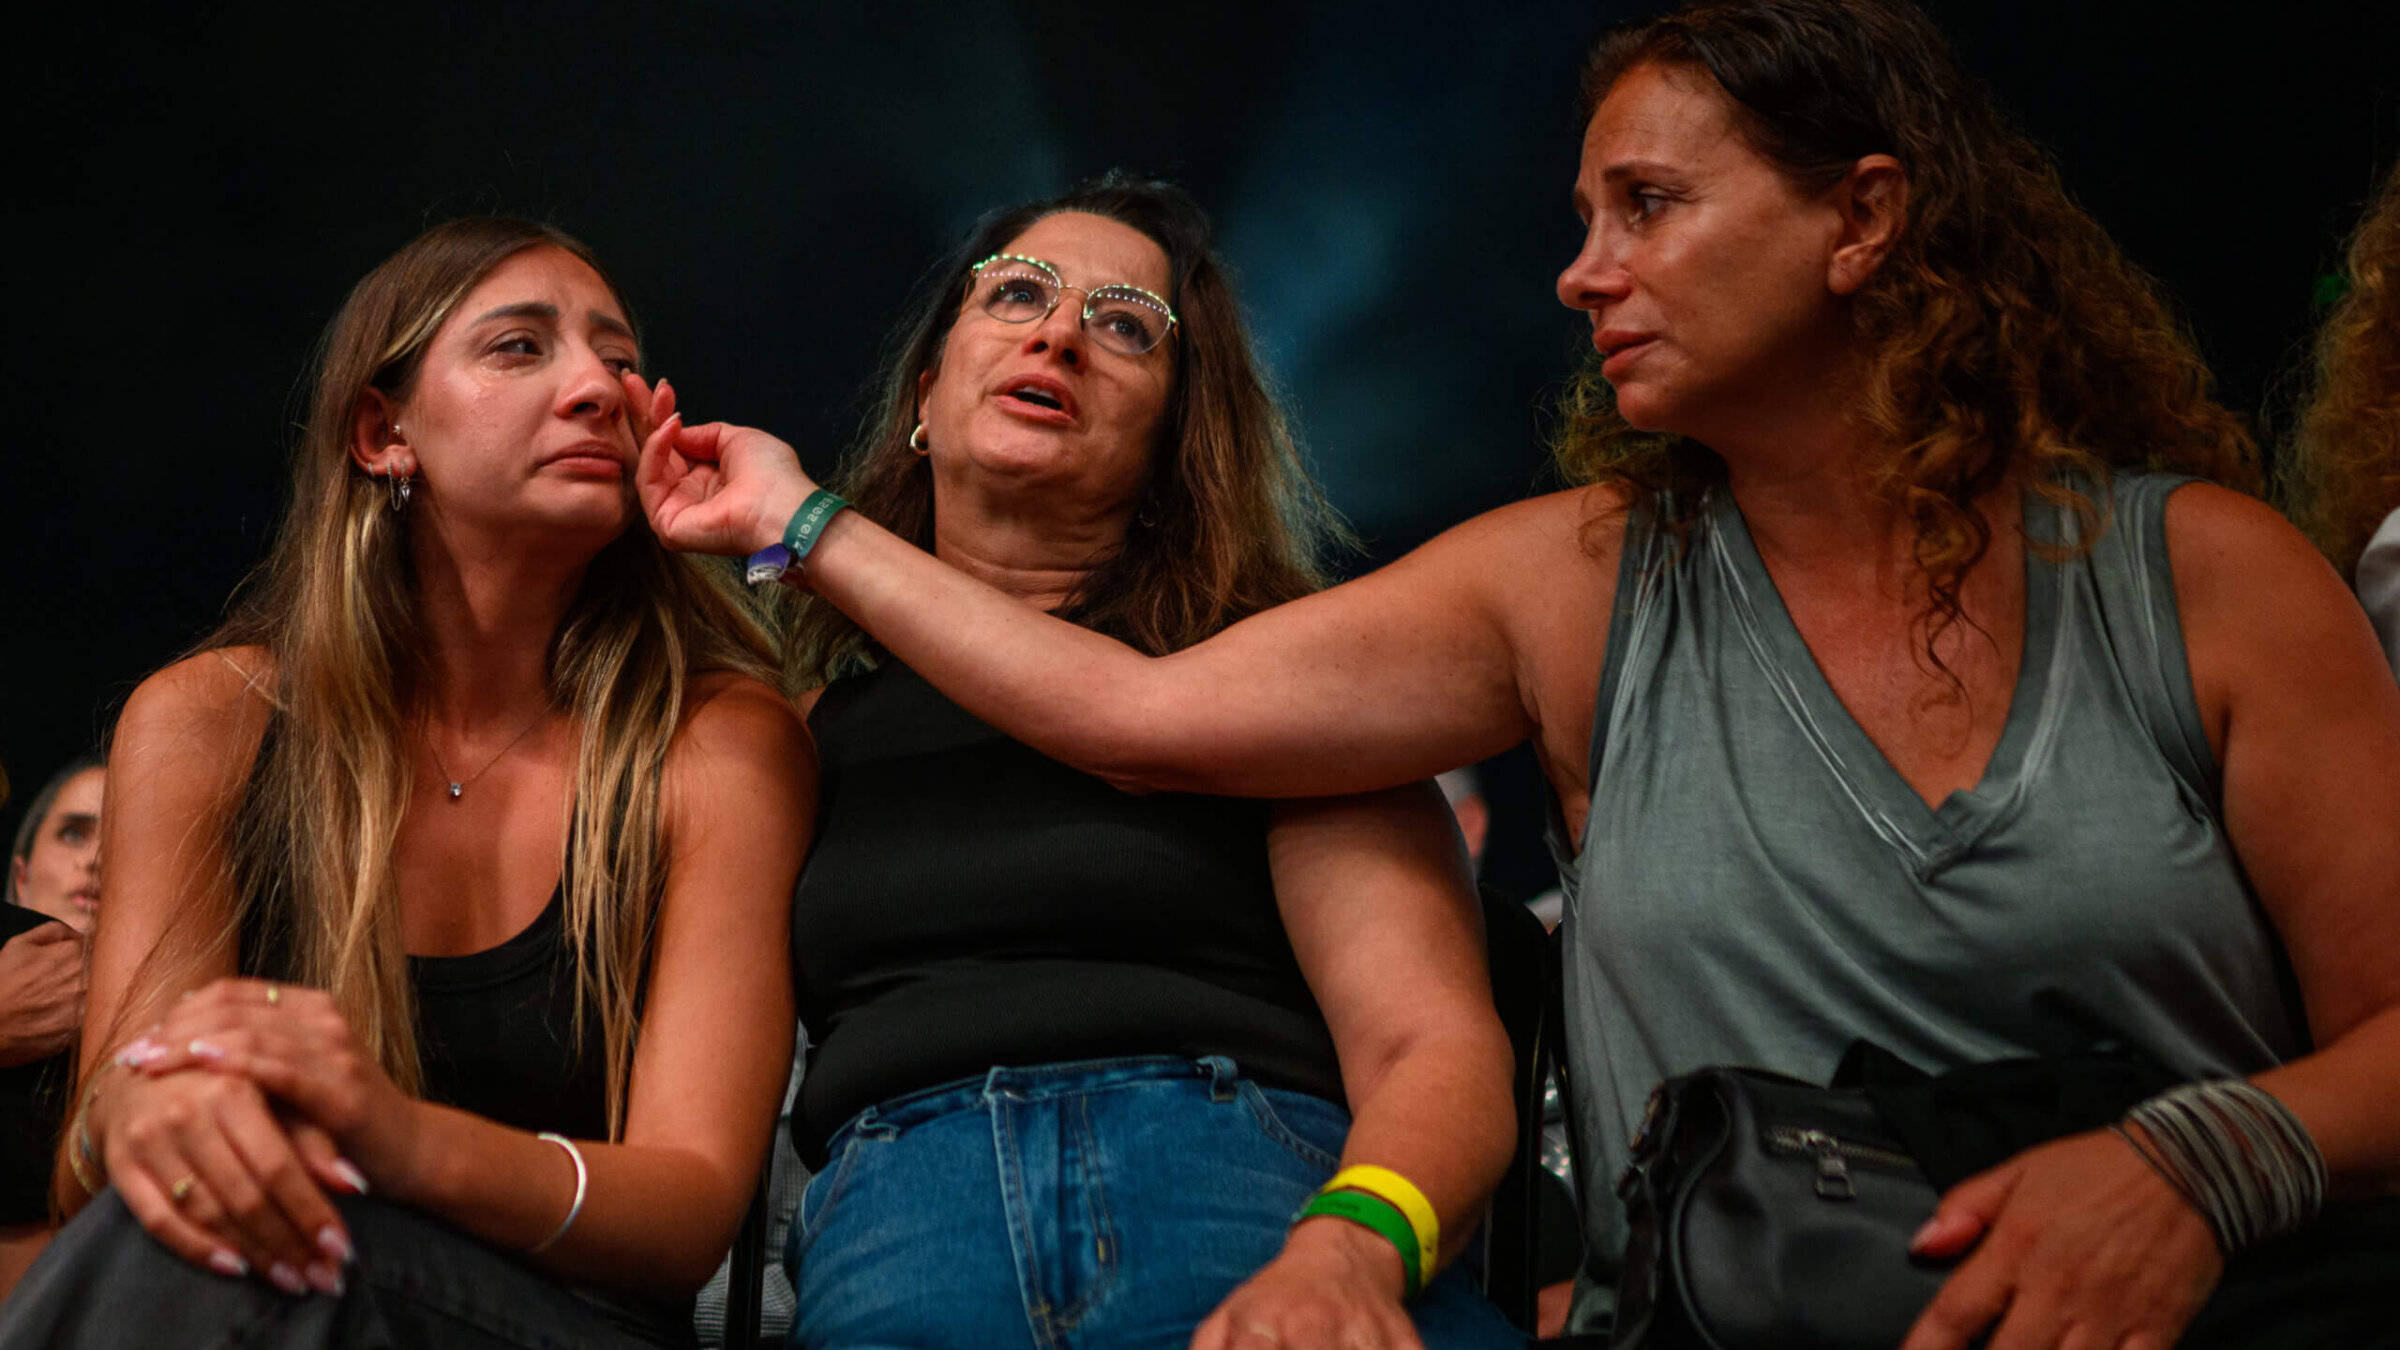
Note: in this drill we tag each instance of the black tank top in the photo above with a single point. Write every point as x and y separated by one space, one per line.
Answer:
496 1029
971 903
496 1033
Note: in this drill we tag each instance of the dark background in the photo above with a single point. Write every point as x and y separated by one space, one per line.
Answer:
193 195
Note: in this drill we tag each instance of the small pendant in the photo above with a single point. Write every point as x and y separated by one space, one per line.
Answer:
455 789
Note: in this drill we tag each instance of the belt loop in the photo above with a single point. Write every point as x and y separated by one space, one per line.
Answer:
1224 1076
998 1085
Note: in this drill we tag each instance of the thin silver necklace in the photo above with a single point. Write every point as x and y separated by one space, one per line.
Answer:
458 786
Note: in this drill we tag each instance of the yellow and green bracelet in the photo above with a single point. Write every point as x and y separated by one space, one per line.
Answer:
1379 1216
1401 1194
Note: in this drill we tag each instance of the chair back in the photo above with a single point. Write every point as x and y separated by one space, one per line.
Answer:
1516 946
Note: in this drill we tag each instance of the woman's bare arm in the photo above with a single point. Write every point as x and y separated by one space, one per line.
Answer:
2305 722
707 1074
1384 919
716 1044
1424 665
183 748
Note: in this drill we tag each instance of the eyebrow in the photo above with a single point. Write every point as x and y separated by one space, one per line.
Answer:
75 818
1633 168
543 309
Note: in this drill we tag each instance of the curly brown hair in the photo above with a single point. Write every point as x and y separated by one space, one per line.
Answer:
1229 522
2345 455
2004 331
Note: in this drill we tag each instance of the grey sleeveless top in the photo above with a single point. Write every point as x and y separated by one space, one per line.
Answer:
1759 886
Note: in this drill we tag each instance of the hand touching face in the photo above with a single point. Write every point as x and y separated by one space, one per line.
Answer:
516 420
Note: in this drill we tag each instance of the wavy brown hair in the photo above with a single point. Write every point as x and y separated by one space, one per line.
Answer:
310 843
2345 453
1228 523
2003 335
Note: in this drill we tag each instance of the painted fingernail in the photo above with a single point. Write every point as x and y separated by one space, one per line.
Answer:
139 1052
283 1277
208 1050
357 1180
324 1279
336 1244
1924 1234
228 1263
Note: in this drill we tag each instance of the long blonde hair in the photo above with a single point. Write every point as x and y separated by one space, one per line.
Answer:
311 841
2345 456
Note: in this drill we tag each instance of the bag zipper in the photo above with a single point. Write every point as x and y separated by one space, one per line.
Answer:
1833 1157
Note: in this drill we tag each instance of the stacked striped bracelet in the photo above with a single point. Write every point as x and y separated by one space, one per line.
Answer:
778 561
1389 1205
2235 1154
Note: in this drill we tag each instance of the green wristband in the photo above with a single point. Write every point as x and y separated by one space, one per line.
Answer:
808 523
1379 1216
777 561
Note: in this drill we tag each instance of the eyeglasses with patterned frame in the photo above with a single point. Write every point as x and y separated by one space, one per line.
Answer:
1123 318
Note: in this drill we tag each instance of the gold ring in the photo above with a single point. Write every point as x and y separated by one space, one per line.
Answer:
182 1188
274 995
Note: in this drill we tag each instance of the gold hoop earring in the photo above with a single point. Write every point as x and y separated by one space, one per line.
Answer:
916 440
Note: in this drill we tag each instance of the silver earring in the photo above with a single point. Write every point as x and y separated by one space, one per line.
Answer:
399 483
916 440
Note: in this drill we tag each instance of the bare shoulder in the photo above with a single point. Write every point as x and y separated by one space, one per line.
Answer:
1541 531
731 714
740 741
2259 605
214 703
2242 568
1532 567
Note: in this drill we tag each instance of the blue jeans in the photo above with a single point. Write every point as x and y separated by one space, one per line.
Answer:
1112 1203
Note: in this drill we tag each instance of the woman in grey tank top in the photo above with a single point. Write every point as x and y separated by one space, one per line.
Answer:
1892 677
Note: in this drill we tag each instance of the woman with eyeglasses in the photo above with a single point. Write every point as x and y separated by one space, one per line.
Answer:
440 995
1078 1058
1892 677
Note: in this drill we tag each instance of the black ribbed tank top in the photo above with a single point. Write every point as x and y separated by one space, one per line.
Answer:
496 1031
971 903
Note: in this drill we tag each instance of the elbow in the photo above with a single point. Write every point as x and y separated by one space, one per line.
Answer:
1128 755
1488 1129
1134 733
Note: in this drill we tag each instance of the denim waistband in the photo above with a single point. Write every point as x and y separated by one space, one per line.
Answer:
1039 1082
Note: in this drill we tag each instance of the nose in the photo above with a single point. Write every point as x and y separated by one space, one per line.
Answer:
591 388
1595 276
1061 330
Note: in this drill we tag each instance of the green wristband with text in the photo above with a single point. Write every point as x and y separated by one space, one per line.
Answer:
775 562
1378 1216
808 523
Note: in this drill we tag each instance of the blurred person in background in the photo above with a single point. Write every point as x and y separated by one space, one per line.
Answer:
2345 455
53 896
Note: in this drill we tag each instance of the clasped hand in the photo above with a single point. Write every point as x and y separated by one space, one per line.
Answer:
237 1114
